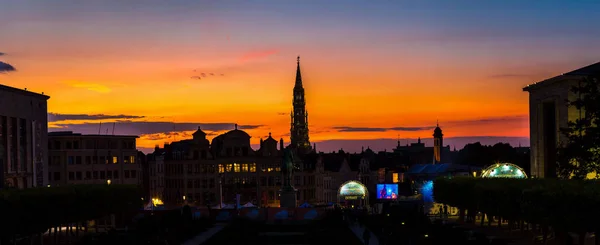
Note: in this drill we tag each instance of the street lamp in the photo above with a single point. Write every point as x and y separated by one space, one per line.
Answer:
108 181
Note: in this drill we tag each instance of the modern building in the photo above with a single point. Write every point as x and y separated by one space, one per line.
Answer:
92 159
548 113
23 138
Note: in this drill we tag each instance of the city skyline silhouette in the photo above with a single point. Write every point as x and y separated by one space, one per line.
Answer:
372 75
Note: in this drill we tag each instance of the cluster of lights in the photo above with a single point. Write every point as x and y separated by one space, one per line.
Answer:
504 170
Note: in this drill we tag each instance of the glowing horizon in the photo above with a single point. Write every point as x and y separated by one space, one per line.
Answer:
370 71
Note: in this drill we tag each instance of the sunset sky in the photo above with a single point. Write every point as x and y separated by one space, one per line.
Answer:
372 70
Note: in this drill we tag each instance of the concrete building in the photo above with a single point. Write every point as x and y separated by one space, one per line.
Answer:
93 159
23 138
548 112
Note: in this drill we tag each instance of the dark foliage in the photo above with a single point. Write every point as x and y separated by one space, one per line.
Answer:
567 205
480 155
580 155
174 227
30 211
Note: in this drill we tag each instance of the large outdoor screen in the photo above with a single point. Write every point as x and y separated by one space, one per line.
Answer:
387 191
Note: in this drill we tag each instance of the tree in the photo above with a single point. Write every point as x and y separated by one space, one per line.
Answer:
580 154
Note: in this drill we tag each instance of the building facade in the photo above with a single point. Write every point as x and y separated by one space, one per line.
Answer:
198 172
548 113
93 159
23 138
227 170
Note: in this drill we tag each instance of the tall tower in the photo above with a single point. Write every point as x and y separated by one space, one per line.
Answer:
299 128
438 144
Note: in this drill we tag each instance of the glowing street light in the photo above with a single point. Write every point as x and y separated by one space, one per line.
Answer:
108 181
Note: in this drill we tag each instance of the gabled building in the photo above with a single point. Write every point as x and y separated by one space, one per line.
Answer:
196 172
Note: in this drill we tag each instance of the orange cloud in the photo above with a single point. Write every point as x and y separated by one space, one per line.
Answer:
91 86
255 55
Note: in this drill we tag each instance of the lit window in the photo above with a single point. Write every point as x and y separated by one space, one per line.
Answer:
278 169
229 167
115 160
269 169
253 167
245 167
236 168
131 159
395 178
221 168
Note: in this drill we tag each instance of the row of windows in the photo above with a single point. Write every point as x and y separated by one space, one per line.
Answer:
91 144
77 160
223 168
89 175
237 168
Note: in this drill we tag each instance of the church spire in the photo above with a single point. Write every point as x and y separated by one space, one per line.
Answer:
299 125
298 73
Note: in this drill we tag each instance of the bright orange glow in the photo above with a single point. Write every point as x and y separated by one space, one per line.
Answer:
258 92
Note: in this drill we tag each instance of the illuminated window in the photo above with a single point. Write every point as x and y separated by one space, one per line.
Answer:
395 178
221 168
115 160
253 167
269 169
278 169
236 167
245 167
131 159
229 167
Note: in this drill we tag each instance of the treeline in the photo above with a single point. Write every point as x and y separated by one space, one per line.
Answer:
479 155
33 211
564 205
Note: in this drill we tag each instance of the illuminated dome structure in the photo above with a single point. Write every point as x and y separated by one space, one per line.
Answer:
353 192
504 170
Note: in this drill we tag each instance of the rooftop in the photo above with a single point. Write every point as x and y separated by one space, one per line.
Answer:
24 92
70 134
593 69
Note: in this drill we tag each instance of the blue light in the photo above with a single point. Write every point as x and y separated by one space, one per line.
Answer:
427 191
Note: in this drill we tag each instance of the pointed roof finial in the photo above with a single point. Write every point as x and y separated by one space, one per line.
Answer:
236 126
269 134
437 123
298 74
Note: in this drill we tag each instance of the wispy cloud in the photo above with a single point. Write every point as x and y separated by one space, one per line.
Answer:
508 75
91 86
5 67
379 129
490 120
56 117
1 54
145 128
258 55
